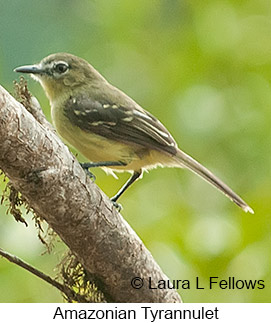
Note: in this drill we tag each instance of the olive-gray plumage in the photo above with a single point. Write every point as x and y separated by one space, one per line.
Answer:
107 126
114 122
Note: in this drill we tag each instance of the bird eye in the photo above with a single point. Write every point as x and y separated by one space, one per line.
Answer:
61 68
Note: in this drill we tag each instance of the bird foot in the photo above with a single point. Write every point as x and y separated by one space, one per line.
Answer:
89 174
117 205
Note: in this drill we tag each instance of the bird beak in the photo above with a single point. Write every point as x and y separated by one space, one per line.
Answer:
30 69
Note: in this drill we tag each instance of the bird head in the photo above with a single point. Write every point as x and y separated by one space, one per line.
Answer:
61 74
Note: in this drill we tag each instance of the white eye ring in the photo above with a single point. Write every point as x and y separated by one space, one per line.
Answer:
60 67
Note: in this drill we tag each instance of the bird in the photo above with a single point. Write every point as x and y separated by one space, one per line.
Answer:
108 127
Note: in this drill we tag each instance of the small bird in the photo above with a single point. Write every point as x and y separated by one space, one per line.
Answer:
108 127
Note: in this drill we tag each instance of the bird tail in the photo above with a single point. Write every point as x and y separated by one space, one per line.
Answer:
188 162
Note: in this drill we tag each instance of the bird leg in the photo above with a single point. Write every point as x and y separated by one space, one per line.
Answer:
86 166
131 180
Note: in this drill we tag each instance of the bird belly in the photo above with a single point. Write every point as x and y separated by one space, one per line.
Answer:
97 148
94 147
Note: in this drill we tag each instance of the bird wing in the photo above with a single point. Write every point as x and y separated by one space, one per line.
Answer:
123 123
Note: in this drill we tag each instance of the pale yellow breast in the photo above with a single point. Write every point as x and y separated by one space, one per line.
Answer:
97 148
94 147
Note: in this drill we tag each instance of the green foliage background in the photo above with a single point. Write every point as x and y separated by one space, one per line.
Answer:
204 69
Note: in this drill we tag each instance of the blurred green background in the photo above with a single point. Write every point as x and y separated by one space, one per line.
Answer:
204 69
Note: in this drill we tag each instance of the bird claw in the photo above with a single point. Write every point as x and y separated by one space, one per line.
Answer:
89 174
118 206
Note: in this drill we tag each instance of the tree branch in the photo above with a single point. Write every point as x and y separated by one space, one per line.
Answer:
41 167
19 262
